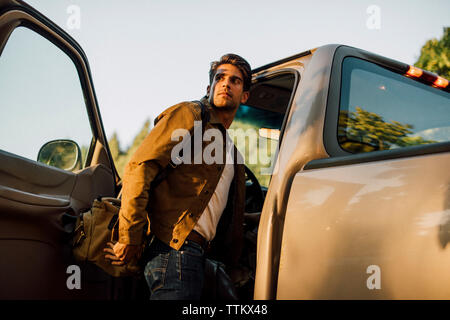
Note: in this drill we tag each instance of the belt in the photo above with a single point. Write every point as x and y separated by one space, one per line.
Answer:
198 238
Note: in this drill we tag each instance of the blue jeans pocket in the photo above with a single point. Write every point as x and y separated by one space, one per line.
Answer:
192 261
172 274
155 271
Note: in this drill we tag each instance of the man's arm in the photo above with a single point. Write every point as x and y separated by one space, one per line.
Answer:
152 156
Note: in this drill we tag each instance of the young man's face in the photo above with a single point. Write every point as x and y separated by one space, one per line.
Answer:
227 89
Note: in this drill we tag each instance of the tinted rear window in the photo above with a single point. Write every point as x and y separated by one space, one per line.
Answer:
383 110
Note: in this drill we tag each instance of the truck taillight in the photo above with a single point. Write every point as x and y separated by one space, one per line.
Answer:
427 76
414 72
441 82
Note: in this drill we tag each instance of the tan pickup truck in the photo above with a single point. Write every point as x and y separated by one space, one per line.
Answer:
350 170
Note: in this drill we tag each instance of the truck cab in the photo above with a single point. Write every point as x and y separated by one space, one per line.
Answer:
357 198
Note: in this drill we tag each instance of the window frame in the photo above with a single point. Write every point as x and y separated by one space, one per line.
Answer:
79 72
337 155
259 75
25 16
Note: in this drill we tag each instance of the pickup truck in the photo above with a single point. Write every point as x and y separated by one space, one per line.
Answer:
350 190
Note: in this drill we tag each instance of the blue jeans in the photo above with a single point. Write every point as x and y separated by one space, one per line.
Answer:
175 275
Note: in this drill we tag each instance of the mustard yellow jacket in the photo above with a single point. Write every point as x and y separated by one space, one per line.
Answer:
171 210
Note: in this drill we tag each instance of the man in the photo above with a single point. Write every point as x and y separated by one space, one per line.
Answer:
197 202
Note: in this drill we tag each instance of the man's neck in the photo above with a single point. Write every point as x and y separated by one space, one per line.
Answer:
225 116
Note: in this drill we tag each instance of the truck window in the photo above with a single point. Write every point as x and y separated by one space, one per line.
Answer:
257 124
41 96
383 110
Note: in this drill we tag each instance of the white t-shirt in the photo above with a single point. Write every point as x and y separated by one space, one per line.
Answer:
209 219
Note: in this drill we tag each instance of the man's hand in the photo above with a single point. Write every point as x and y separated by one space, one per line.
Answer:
121 253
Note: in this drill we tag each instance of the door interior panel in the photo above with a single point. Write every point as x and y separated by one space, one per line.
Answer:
35 201
39 204
31 270
30 198
19 173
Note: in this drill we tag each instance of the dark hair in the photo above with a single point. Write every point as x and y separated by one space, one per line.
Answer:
236 61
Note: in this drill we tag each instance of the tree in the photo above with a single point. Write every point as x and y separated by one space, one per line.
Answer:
120 157
435 55
114 147
84 151
364 131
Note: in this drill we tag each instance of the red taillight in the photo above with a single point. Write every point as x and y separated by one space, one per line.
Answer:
441 82
427 76
414 72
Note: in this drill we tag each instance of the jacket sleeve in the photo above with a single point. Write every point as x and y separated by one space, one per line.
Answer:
152 155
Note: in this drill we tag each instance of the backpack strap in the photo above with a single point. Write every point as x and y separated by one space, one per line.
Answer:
204 114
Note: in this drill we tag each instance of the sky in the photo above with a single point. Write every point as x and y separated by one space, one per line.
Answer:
148 55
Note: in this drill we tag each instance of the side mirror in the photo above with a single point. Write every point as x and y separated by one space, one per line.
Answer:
62 154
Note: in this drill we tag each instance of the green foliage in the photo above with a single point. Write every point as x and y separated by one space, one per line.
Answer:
256 150
121 157
435 55
84 151
364 131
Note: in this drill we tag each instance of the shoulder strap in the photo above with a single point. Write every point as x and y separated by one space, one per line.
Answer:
163 173
204 114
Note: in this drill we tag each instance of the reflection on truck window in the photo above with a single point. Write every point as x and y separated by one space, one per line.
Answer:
258 151
383 110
